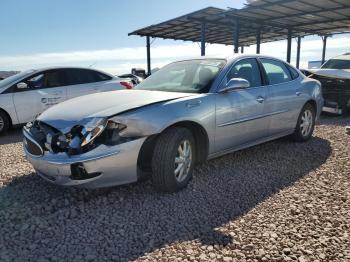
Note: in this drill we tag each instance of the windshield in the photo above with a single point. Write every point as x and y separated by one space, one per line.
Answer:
337 64
193 76
15 78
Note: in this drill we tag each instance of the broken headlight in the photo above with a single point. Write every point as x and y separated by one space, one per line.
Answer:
94 132
83 135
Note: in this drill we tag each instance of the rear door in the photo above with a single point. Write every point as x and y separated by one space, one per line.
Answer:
45 89
240 113
86 81
283 96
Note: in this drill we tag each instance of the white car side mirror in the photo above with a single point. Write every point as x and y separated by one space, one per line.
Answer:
22 85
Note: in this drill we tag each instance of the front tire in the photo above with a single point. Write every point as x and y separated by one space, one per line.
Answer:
173 160
4 122
306 124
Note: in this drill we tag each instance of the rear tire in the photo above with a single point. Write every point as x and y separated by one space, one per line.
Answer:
306 124
173 160
4 122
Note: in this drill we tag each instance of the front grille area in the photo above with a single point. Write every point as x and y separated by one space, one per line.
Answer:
33 147
335 89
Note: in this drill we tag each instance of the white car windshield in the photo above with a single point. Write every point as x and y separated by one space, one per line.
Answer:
337 64
17 77
192 76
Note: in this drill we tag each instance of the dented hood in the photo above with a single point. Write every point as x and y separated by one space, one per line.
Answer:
72 112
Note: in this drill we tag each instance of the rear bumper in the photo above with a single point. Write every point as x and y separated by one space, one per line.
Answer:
104 166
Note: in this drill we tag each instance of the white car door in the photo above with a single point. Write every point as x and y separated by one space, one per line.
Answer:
44 90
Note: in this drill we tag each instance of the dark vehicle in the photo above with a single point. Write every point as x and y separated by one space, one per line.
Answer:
139 72
334 76
134 78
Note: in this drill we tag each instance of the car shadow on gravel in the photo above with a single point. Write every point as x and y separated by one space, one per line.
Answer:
11 136
127 222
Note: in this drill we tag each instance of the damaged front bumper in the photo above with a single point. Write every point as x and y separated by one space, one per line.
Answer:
103 166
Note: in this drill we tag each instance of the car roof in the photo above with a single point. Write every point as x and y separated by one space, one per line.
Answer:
345 56
233 57
69 67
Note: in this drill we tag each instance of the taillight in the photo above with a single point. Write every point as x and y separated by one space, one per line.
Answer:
127 85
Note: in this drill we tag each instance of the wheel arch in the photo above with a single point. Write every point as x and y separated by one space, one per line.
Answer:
313 103
8 115
200 136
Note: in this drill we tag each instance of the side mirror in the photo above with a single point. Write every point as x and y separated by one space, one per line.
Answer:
235 84
22 85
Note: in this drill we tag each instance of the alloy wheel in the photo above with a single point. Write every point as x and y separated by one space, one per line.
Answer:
183 161
306 123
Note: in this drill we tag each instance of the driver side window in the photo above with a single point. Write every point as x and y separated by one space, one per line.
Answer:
247 69
36 82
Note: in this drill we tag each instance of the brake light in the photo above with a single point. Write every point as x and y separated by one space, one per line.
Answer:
127 85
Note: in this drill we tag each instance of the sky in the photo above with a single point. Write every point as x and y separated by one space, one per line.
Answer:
41 33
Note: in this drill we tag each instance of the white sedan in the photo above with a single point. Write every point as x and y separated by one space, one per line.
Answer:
26 95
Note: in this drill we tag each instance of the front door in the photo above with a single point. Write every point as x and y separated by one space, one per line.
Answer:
44 90
240 113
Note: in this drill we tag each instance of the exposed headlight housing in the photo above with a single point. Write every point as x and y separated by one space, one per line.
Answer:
95 131
83 135
92 129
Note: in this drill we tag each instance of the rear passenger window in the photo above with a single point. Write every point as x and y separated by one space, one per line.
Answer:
85 76
100 76
276 71
293 72
80 76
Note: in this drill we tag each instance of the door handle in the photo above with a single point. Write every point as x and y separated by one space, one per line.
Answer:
260 99
298 93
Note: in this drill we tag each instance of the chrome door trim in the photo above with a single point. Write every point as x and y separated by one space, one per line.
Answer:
252 118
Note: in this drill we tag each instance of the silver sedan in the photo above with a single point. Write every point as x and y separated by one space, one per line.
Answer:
184 114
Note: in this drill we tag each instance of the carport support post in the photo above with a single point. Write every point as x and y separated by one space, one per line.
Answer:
203 39
289 44
324 39
258 40
298 52
148 46
236 36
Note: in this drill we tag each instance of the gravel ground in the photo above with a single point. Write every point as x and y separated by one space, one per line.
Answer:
279 201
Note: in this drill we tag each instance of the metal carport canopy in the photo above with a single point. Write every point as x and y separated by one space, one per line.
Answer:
258 22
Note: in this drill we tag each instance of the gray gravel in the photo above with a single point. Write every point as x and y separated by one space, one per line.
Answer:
280 201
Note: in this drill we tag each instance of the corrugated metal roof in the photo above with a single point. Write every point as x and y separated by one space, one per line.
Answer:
272 17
